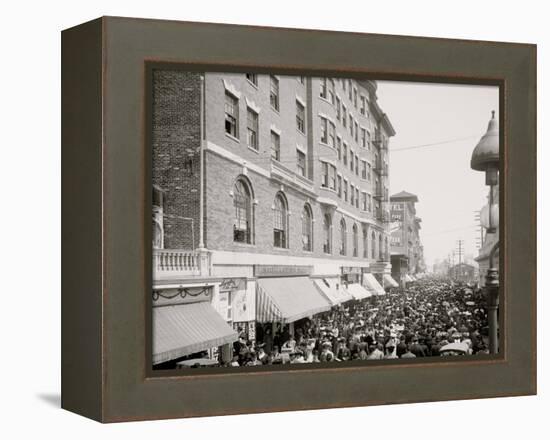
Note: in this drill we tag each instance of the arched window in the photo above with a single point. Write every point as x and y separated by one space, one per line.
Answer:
373 245
307 228
355 241
280 222
343 234
365 243
327 234
380 248
242 202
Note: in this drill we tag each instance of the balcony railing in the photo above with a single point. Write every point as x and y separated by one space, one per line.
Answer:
173 263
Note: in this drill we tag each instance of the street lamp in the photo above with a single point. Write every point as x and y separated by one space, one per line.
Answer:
485 157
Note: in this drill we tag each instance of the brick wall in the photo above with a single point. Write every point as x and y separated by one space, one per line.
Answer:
220 178
176 153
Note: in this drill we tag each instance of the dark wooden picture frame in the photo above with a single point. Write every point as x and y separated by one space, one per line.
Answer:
106 253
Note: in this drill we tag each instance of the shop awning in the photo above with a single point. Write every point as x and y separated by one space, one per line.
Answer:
288 299
184 329
358 291
372 284
333 290
389 281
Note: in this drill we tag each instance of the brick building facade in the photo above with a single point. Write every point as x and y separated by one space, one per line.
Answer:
295 173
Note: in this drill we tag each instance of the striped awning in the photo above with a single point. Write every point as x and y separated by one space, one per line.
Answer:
389 281
288 299
372 284
358 291
333 290
184 329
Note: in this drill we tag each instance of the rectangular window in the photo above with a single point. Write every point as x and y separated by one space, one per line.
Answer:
324 174
344 84
363 103
355 98
364 169
333 177
357 197
364 201
323 88
301 162
356 131
231 115
339 148
252 128
352 195
368 140
369 203
338 109
345 190
363 137
340 186
331 93
351 157
351 125
331 135
345 154
275 146
324 130
300 117
344 116
274 92
369 172
356 165
253 78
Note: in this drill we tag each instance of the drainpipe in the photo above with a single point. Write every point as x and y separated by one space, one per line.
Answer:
204 255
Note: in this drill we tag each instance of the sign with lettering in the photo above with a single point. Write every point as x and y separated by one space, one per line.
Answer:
269 270
351 270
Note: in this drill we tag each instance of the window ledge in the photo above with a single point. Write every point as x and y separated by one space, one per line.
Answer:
233 138
253 149
245 245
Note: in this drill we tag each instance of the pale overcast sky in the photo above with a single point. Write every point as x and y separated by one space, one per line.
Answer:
449 191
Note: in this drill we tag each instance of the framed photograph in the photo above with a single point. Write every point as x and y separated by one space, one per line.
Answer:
263 219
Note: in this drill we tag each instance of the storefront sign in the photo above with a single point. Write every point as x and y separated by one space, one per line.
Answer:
351 270
229 284
268 270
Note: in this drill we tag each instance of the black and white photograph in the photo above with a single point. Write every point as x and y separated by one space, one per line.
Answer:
305 220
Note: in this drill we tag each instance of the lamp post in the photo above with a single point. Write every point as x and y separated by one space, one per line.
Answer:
485 157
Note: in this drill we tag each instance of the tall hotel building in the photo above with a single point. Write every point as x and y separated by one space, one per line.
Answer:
294 212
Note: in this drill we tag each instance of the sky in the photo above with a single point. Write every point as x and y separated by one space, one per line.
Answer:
454 117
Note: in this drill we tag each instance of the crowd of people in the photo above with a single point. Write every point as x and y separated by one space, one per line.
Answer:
417 321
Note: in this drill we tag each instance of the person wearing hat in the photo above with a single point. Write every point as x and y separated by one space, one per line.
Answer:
408 354
416 348
390 350
376 353
401 348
